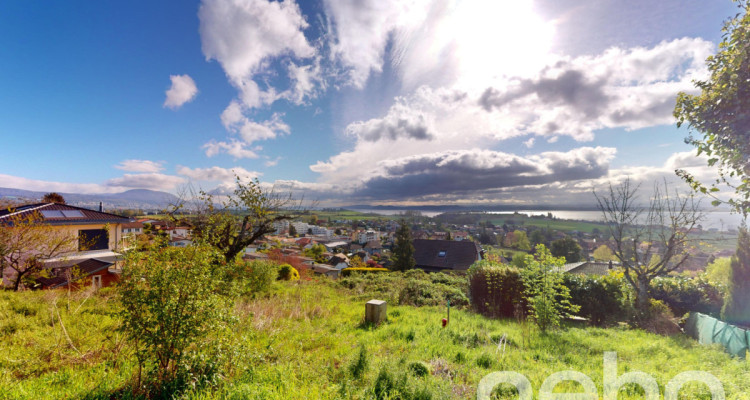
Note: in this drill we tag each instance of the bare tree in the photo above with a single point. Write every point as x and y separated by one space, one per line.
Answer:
242 218
26 241
651 239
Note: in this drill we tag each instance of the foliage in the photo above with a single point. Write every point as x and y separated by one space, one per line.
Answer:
255 276
357 263
547 297
53 197
719 274
651 240
414 287
737 304
316 252
348 271
684 294
171 307
520 240
275 255
298 341
519 260
287 273
602 299
496 290
567 248
403 251
717 116
603 253
244 217
25 241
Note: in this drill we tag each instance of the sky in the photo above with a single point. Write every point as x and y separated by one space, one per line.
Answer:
392 102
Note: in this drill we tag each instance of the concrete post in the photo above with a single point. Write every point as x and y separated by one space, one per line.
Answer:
375 311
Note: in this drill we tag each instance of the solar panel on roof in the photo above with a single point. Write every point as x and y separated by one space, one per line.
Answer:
52 214
72 213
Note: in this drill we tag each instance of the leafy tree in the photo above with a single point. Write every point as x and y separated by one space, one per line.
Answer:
545 292
337 231
520 240
717 117
737 303
603 253
172 303
568 248
316 252
403 252
53 197
719 273
357 262
26 241
650 240
537 237
313 220
244 217
519 260
486 237
292 230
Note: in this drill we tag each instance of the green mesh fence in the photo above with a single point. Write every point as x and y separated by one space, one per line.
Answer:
708 330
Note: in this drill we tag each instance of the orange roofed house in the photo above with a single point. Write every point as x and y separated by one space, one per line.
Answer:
91 256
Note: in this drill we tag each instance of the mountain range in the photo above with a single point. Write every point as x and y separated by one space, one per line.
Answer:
133 199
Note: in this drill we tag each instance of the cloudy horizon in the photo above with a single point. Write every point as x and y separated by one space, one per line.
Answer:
370 102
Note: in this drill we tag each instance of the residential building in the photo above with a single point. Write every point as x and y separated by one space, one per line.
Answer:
95 235
441 255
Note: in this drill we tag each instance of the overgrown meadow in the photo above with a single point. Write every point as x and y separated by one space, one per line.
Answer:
307 340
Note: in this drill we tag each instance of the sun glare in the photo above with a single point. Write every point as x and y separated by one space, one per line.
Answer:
498 38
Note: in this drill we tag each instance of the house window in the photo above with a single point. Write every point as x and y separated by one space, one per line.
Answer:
441 254
96 281
93 239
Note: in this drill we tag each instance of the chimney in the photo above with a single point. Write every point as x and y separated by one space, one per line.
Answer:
101 207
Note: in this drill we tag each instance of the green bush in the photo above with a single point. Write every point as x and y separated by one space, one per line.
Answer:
419 368
603 299
496 290
348 271
288 273
684 294
413 287
172 309
257 276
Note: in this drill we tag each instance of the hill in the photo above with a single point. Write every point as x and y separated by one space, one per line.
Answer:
135 198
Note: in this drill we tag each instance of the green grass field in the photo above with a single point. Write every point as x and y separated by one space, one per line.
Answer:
303 339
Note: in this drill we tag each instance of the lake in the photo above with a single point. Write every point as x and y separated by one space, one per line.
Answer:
722 220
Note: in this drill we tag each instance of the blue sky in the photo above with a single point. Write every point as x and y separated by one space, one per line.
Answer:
367 101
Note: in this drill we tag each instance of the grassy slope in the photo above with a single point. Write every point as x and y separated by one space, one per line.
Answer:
300 341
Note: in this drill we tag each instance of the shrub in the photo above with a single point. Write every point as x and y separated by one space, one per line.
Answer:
171 307
254 276
348 271
419 368
495 289
684 294
602 299
413 287
287 273
547 296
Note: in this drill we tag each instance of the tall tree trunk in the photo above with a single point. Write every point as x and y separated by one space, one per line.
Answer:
641 295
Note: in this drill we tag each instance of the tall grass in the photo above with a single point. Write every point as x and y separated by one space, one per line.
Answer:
300 340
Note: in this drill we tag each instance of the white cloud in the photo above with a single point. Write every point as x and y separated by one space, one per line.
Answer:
153 181
242 35
250 131
217 173
183 90
16 182
234 148
141 166
529 143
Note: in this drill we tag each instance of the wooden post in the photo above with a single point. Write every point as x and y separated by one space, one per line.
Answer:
375 311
